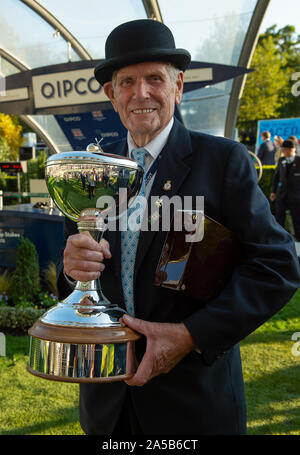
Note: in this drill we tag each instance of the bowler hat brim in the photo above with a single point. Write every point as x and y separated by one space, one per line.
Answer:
179 57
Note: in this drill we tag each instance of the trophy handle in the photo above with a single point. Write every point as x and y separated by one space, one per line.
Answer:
92 226
88 295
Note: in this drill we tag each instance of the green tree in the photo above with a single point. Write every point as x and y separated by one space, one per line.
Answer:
264 88
10 137
285 39
26 276
287 43
268 90
36 167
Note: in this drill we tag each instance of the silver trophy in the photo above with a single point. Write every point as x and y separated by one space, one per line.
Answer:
81 338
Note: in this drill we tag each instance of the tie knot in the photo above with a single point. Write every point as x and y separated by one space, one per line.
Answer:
139 155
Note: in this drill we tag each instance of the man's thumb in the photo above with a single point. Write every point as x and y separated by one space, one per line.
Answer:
134 323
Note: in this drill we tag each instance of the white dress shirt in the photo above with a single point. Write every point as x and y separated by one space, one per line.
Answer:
154 148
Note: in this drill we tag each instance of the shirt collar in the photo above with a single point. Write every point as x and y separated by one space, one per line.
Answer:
155 146
291 159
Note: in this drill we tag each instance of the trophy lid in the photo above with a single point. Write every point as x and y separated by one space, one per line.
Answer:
81 180
97 158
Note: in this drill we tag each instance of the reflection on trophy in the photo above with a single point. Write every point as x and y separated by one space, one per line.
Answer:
81 339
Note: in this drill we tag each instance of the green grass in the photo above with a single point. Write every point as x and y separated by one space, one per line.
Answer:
30 405
272 374
75 195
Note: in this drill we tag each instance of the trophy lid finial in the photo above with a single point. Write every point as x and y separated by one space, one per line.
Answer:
94 147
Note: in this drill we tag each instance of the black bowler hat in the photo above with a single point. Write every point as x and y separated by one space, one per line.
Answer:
139 41
288 144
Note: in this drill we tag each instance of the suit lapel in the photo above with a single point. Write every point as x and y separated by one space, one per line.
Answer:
172 167
297 161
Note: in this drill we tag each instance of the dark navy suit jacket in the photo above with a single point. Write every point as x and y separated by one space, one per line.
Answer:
204 393
286 181
266 152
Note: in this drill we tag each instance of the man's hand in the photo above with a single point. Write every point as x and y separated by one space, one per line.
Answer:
272 196
83 257
167 344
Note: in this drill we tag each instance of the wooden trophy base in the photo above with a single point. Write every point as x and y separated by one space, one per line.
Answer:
81 354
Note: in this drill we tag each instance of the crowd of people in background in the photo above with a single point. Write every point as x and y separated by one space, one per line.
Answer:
270 151
285 192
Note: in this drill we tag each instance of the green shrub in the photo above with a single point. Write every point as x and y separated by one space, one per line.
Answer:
36 167
50 278
3 299
5 283
18 319
8 182
26 277
3 180
266 182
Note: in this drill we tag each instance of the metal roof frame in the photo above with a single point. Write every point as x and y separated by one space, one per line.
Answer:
29 120
15 61
57 25
246 54
152 10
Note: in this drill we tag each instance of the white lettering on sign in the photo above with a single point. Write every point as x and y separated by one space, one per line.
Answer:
198 75
6 235
67 88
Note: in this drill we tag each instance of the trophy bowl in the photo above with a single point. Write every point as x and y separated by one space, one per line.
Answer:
81 339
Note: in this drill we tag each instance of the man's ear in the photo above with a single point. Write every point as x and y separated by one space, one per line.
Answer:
179 87
109 92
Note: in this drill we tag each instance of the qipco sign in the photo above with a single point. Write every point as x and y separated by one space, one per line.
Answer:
67 88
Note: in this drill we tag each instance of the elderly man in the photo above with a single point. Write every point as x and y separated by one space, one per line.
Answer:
286 186
189 378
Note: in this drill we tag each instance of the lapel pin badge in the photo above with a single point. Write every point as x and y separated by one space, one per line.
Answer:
158 203
167 186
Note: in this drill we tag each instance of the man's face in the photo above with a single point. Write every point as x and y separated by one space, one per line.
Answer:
144 95
288 152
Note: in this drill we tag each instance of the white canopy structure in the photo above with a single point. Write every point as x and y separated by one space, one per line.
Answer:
35 34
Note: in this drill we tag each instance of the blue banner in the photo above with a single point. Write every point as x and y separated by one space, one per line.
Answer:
284 127
81 129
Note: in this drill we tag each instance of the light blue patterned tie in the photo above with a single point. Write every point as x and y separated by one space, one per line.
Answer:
129 242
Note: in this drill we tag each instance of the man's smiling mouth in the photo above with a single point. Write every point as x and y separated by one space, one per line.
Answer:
142 111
